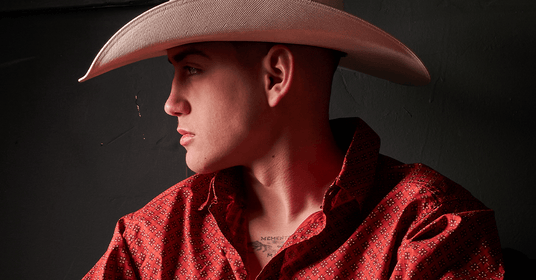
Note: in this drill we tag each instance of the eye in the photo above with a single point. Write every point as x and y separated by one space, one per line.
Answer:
191 70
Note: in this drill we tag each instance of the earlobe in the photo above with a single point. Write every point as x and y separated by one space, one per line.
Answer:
278 67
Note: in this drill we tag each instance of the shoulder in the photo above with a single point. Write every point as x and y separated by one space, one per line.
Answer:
419 182
177 202
434 216
415 195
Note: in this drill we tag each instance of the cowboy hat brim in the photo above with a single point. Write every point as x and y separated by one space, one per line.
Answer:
369 49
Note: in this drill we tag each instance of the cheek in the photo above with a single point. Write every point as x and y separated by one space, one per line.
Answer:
219 117
233 99
228 114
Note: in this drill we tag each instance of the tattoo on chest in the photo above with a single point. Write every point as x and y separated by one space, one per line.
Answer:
267 245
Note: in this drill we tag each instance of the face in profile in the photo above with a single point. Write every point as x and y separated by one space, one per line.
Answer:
219 104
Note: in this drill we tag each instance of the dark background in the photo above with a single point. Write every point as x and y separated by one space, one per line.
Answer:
76 157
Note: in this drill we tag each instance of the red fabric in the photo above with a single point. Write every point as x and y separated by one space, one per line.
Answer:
380 220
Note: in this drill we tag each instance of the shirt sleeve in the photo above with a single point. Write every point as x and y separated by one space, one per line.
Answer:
462 245
117 262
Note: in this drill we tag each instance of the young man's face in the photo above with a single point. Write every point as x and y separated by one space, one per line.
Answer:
219 103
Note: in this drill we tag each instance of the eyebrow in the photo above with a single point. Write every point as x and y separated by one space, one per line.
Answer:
183 54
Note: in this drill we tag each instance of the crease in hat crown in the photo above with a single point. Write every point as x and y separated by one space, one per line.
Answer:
321 23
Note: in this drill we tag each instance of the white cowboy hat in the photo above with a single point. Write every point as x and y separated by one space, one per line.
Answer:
320 23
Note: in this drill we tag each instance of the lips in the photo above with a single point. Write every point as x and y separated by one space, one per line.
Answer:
187 136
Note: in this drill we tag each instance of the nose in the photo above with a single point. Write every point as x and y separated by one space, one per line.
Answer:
176 105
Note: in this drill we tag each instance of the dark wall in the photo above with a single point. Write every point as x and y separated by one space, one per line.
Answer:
77 157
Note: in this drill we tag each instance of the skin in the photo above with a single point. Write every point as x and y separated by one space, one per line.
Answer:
218 111
263 107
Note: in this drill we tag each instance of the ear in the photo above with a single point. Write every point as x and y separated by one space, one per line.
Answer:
278 66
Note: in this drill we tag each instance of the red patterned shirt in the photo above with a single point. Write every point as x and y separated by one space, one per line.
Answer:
380 219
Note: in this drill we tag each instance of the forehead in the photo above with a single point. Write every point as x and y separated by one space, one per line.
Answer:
208 50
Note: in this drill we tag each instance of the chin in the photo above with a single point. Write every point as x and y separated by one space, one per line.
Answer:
200 167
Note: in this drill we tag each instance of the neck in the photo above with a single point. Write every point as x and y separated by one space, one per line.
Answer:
289 183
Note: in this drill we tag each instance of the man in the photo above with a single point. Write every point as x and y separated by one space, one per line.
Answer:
280 192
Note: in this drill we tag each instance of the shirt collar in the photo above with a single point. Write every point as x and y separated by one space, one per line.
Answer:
226 186
362 147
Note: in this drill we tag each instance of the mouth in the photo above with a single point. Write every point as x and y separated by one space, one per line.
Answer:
187 136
